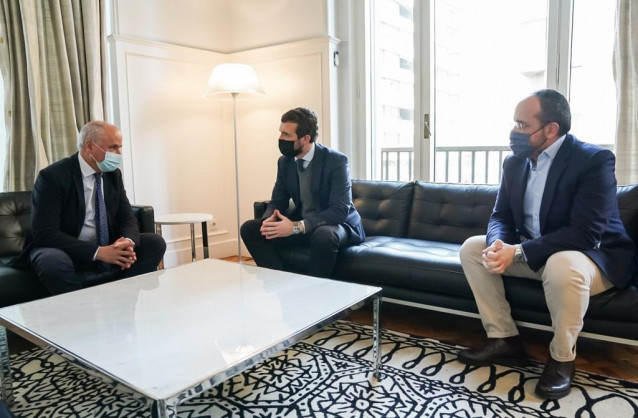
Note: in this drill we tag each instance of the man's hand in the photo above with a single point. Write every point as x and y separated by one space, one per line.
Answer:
120 253
277 226
498 257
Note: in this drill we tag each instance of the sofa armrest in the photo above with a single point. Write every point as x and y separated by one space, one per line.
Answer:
145 217
259 208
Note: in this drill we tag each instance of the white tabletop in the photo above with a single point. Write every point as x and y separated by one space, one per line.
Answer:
182 218
168 330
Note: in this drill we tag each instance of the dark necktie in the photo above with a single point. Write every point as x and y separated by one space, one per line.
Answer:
101 225
300 166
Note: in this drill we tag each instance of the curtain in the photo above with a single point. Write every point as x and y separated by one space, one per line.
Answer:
51 64
626 78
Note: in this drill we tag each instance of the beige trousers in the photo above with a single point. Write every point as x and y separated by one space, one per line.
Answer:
569 279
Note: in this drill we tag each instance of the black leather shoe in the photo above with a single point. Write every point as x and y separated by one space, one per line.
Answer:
509 351
556 380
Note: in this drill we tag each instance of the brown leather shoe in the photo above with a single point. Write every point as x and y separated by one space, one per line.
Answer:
510 351
556 380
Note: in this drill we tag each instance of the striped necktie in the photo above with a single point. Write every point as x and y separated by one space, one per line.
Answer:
101 225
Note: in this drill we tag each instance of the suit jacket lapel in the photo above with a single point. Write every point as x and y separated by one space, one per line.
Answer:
559 165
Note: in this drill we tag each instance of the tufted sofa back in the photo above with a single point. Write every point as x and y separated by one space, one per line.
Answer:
384 206
450 212
15 222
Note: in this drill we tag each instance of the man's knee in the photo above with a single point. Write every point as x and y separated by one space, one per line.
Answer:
50 262
325 237
152 245
250 229
472 248
568 268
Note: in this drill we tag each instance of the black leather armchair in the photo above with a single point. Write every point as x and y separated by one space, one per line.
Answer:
17 285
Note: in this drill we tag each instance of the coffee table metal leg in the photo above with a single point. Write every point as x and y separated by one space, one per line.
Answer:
376 339
205 239
6 382
162 410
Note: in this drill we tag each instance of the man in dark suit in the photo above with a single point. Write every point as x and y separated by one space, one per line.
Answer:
72 248
318 181
555 220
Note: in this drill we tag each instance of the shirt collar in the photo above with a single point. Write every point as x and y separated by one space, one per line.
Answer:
87 170
550 152
310 154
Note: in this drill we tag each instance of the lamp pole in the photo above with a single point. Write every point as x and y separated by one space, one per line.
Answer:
237 176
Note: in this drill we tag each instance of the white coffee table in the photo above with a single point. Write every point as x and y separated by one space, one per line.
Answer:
171 334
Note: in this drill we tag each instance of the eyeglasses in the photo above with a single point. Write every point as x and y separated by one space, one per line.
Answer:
523 125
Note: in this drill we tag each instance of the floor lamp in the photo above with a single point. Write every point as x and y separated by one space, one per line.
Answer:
232 80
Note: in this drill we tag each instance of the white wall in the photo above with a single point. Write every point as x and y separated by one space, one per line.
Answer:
258 23
201 24
179 148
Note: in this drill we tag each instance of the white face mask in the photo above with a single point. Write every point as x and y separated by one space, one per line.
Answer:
111 161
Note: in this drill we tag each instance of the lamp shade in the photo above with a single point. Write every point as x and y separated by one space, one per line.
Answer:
233 78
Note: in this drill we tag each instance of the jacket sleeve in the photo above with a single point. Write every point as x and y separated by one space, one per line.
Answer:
280 198
501 225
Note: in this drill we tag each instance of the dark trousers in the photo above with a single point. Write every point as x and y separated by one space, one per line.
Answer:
325 242
59 274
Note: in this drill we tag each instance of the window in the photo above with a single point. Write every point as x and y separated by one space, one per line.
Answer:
472 62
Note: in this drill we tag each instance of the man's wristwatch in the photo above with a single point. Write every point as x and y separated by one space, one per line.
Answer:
518 254
295 228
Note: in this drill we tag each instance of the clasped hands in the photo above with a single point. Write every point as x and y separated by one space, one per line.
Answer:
498 256
120 253
276 226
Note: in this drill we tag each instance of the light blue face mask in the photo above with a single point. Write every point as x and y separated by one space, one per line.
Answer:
111 161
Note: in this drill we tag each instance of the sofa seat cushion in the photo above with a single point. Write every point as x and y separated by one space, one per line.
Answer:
404 262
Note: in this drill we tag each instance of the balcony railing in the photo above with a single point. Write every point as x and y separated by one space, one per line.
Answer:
452 164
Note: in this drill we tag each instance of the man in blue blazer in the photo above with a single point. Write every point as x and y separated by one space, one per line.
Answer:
66 253
317 180
555 220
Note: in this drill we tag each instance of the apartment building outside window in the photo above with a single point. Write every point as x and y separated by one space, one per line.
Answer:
474 61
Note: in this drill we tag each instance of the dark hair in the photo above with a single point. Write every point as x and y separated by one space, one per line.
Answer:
555 108
306 120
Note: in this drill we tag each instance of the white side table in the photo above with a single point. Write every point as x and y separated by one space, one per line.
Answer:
186 218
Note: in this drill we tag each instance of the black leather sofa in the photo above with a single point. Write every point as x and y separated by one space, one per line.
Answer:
414 232
17 285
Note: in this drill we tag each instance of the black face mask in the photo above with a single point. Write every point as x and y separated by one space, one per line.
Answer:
287 148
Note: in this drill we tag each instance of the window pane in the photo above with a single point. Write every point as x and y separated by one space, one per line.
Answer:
592 90
488 56
393 87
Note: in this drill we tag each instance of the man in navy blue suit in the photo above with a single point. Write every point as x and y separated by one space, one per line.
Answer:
317 180
555 220
66 252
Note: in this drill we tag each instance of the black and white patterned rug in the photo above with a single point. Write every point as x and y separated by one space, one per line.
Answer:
328 375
